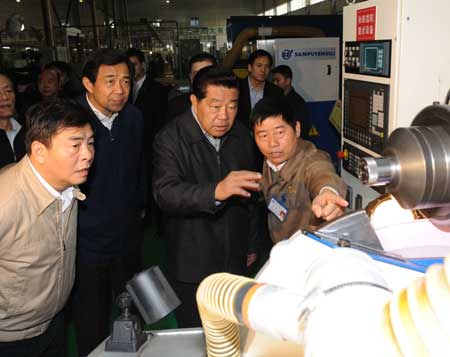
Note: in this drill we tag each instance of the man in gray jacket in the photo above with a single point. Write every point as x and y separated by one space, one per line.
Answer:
38 215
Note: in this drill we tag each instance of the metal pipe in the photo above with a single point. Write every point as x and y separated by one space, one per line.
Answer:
107 24
178 52
69 8
114 15
48 23
94 23
273 32
55 11
125 4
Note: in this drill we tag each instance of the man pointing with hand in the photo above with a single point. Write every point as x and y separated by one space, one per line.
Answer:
299 182
204 181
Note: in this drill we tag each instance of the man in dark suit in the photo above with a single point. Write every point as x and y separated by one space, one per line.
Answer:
150 97
12 136
256 86
110 231
181 103
282 77
204 171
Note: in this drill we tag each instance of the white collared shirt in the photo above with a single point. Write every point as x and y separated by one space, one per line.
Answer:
11 134
255 95
137 87
274 167
213 141
65 196
105 120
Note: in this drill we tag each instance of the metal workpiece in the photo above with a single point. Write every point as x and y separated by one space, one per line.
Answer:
353 229
377 171
415 166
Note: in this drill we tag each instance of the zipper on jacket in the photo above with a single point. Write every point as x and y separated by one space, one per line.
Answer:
60 222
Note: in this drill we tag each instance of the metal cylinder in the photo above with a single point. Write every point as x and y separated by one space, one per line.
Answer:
416 162
48 23
152 294
377 171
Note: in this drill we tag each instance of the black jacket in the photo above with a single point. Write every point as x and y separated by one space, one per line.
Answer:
115 188
300 112
203 238
178 105
7 155
245 106
152 102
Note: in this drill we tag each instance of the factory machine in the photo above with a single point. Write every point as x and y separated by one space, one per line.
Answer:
395 62
372 282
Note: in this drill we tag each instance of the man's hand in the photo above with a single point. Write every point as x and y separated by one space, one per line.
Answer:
237 183
327 205
251 258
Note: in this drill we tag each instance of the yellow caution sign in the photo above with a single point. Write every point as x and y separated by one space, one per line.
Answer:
313 131
336 116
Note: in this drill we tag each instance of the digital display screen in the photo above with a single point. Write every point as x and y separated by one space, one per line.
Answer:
359 109
375 58
371 57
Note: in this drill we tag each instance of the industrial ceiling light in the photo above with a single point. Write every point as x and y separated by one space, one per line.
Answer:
167 1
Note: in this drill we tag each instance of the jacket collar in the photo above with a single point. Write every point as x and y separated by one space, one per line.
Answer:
83 101
40 197
193 132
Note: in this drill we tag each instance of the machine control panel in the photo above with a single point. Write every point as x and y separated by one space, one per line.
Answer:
366 111
369 57
351 57
350 162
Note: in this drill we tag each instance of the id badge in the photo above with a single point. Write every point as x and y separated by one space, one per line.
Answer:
278 209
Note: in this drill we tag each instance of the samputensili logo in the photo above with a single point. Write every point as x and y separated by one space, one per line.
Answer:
287 54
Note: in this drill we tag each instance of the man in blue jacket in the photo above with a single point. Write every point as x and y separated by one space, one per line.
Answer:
110 223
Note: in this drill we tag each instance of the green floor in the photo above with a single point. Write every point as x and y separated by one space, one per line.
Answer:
153 254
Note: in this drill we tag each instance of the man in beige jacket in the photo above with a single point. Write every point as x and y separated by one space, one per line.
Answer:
299 182
38 215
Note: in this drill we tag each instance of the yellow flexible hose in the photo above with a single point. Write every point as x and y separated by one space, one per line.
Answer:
215 299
